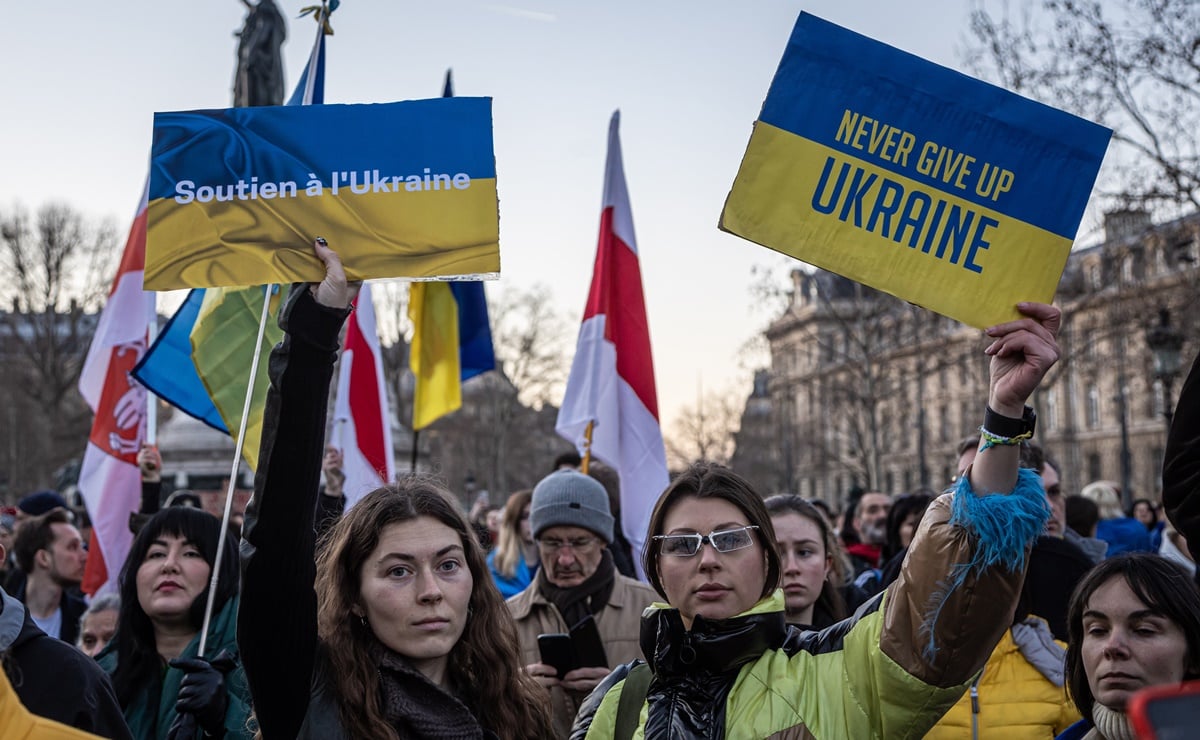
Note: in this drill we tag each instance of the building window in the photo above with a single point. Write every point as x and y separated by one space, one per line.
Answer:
1093 467
1051 410
1157 407
1094 276
1127 269
890 482
1093 407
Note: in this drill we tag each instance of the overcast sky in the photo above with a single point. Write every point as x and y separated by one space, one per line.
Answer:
84 79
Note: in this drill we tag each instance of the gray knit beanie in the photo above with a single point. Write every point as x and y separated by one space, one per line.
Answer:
567 498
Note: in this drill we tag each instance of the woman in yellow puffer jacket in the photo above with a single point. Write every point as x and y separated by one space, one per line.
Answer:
1021 694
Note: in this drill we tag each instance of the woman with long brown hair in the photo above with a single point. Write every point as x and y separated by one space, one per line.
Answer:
403 636
807 549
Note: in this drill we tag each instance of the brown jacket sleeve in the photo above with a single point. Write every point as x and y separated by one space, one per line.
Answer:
958 587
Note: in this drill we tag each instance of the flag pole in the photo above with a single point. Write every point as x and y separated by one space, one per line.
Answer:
416 438
151 399
587 447
237 458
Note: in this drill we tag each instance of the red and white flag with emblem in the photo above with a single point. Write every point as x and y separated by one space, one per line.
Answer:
612 375
109 480
361 417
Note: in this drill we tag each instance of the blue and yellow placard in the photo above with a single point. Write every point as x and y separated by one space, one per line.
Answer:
912 178
398 189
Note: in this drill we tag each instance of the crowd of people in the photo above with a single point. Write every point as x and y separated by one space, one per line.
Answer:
1003 607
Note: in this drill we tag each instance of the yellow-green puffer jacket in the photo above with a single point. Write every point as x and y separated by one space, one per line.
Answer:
890 671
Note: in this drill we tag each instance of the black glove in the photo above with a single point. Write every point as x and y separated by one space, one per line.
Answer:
202 698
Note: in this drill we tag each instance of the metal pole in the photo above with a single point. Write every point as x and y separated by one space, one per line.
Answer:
237 457
1168 408
1126 457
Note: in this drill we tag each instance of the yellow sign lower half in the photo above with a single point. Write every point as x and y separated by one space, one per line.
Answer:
404 234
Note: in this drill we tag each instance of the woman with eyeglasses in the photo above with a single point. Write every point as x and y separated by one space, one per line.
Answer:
721 659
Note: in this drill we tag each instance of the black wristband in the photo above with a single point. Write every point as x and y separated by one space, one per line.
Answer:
1006 426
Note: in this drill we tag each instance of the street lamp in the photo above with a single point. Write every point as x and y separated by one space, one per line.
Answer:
1165 342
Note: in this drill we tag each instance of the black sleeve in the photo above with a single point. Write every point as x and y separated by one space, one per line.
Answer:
587 709
151 496
1181 464
277 621
329 511
102 714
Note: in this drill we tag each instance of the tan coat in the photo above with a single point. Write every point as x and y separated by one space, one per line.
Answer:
619 623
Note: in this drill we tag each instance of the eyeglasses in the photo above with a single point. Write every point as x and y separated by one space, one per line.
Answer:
578 544
687 545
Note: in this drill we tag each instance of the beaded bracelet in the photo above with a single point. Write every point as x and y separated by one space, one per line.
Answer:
995 440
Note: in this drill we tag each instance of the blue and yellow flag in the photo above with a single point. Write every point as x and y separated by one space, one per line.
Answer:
912 178
452 338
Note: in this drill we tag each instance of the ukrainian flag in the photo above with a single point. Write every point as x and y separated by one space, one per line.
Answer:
452 339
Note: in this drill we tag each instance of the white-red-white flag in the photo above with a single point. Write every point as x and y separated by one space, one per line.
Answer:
362 422
612 375
109 480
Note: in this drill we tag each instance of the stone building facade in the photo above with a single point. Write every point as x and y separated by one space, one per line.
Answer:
867 391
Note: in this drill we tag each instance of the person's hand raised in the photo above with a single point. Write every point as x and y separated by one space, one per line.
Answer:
334 291
1023 351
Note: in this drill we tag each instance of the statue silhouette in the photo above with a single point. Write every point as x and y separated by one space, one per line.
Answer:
259 78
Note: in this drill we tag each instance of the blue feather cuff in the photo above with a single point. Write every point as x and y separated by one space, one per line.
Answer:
1003 527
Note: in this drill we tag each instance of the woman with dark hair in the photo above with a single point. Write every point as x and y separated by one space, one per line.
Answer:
722 661
153 658
806 551
515 560
903 520
1134 622
404 635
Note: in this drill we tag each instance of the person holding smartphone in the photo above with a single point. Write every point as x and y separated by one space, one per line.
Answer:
573 527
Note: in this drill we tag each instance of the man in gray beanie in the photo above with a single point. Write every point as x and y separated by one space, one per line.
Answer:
573 527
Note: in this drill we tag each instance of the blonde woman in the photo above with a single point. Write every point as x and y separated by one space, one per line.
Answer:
514 562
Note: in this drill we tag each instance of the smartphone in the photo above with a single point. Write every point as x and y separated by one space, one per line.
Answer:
557 651
1166 712
589 648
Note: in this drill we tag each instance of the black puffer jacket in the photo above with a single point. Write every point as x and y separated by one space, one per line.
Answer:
694 671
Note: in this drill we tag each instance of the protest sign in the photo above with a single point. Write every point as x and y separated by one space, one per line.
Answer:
398 189
912 178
